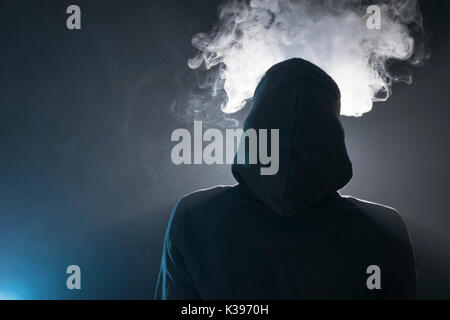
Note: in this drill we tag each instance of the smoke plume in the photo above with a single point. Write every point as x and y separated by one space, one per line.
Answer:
251 36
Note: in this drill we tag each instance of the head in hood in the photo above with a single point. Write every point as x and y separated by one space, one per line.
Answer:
303 102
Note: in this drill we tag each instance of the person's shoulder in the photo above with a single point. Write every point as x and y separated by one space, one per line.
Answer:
380 216
370 207
198 208
204 197
204 200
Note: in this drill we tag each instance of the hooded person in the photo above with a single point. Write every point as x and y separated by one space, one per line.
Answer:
290 235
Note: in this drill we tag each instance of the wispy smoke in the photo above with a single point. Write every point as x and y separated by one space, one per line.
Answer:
254 35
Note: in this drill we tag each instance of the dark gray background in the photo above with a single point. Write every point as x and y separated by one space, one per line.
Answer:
85 121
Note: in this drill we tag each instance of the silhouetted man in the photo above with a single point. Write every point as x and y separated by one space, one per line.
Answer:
289 235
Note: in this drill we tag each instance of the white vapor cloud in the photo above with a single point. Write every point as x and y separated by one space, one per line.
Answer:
251 36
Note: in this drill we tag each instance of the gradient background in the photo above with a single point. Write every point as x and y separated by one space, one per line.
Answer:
85 124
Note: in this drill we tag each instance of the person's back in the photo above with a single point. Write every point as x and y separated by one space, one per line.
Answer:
288 235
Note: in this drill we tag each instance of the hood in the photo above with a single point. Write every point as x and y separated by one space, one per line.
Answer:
303 102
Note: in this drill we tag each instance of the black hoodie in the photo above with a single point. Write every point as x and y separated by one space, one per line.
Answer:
288 235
